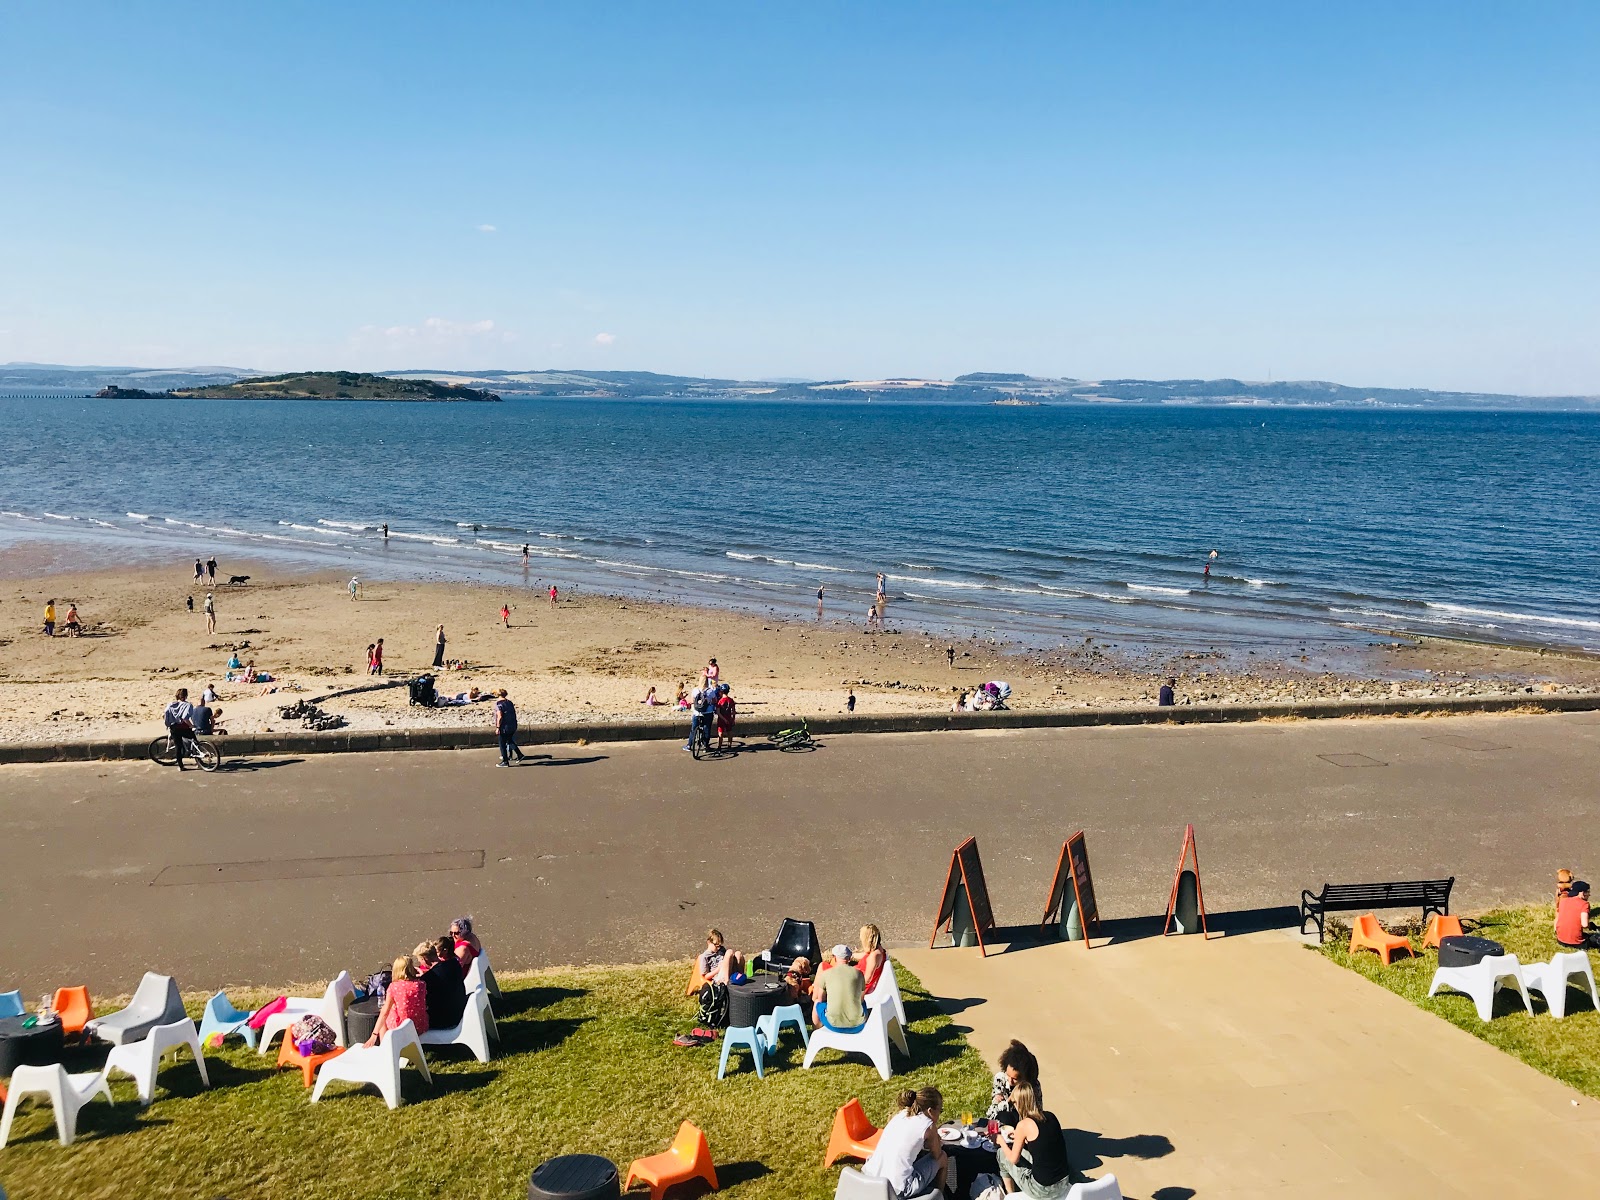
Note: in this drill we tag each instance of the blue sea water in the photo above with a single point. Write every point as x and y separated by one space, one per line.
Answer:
1041 524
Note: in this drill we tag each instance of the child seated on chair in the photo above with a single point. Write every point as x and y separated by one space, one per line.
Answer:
716 962
839 993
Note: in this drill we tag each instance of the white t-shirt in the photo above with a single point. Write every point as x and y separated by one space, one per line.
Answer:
898 1146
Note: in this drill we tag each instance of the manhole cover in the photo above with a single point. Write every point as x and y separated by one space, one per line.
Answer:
1351 760
318 868
1461 742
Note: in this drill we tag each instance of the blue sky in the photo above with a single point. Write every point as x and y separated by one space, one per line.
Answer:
1402 195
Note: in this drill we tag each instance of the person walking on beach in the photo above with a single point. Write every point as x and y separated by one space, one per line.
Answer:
710 675
211 612
353 587
872 616
850 701
438 648
211 568
199 570
950 656
552 593
189 602
505 724
524 555
377 657
50 618
73 628
505 615
372 668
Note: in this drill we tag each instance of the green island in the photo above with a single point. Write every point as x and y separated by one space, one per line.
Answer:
319 385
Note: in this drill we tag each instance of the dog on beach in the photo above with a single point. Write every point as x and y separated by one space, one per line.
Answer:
236 580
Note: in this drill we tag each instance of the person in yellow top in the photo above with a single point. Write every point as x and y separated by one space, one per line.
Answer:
50 619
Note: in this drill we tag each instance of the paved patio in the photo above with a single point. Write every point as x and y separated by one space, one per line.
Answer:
1249 1066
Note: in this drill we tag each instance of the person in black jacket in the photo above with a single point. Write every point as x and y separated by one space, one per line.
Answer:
442 983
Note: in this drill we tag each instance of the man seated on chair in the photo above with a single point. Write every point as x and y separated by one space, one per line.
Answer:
840 993
1572 919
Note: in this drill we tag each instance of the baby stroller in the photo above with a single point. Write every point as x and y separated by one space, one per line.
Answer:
422 691
994 694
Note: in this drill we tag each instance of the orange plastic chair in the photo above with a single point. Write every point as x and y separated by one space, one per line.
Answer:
1441 926
689 1157
290 1056
1369 935
853 1135
73 1006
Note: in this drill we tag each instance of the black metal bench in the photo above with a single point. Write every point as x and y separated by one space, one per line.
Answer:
1432 894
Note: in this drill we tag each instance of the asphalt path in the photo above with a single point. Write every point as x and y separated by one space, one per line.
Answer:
285 870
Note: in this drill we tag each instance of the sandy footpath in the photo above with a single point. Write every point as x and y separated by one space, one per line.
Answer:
589 657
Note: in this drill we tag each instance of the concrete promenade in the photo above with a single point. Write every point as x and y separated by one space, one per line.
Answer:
286 869
1250 1068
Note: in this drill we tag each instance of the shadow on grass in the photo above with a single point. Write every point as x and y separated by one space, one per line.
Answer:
525 1037
1088 1149
728 1175
515 1003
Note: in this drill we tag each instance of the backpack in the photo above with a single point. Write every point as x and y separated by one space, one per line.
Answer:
378 982
714 1006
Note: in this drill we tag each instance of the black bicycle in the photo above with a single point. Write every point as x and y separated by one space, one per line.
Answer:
794 741
206 754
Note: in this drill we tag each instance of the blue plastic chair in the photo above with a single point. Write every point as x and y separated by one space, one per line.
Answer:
742 1035
770 1027
222 1017
11 1004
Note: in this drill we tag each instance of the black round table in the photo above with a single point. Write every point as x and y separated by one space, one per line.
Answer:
360 1019
969 1163
1463 951
749 1002
36 1047
575 1177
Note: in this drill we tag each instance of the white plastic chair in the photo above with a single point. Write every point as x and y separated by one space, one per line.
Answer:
473 1032
330 1008
1482 980
155 1003
856 1185
1104 1188
888 988
378 1065
67 1093
142 1059
1550 979
489 981
872 1039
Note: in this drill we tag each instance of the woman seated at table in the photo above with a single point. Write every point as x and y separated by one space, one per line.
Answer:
467 945
404 1001
1035 1162
1017 1065
871 957
716 962
839 993
909 1156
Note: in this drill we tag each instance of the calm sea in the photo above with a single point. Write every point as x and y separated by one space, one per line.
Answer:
1044 523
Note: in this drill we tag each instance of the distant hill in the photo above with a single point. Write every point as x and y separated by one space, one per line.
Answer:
979 387
335 385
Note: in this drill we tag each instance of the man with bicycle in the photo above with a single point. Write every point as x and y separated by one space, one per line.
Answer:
179 719
700 706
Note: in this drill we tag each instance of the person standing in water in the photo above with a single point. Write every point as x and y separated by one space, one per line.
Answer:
524 556
386 531
1210 558
438 648
820 590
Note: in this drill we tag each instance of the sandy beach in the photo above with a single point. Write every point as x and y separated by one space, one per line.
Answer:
589 657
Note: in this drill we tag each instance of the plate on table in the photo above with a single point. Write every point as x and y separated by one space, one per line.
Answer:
950 1133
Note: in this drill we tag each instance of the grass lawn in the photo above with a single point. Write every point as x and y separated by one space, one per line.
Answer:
586 1064
1568 1049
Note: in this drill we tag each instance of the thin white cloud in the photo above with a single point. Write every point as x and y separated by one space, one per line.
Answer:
437 333
487 229
604 339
